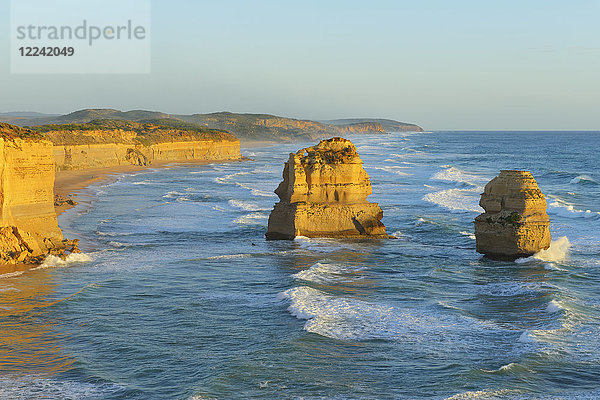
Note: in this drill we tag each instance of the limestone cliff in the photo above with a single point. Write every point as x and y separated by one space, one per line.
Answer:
28 225
324 194
274 128
515 223
107 143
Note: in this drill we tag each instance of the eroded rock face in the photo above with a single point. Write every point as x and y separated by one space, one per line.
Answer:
515 223
324 194
28 227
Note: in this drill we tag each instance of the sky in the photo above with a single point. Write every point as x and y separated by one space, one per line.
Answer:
445 65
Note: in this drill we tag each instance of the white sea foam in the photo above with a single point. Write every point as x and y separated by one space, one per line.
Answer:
37 387
565 209
470 235
510 288
254 218
246 205
74 258
398 235
256 192
556 252
420 221
456 200
483 395
513 366
229 256
324 273
11 274
526 337
394 170
323 244
227 179
553 306
347 318
453 174
338 317
173 195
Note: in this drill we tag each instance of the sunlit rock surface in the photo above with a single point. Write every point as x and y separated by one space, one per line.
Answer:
324 194
515 223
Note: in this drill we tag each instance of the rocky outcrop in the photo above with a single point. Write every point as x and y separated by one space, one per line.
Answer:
28 226
108 143
515 223
324 194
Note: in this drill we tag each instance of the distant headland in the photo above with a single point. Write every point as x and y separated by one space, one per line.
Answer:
246 127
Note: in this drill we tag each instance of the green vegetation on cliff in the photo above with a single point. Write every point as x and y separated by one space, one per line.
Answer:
12 132
119 131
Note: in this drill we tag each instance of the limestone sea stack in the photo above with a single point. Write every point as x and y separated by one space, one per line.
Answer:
515 223
324 194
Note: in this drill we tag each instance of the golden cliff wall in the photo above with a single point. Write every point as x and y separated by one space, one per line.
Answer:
83 149
324 194
84 156
28 225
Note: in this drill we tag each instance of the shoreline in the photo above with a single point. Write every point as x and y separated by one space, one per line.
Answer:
69 184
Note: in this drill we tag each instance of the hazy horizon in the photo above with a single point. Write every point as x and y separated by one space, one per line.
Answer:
461 66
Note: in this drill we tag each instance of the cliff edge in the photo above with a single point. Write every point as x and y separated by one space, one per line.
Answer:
324 194
109 143
28 226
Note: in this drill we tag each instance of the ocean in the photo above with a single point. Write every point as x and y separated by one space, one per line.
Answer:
179 295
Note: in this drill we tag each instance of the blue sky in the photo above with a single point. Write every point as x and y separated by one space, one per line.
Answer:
490 65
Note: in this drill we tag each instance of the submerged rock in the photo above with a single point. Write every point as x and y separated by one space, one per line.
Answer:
324 194
515 223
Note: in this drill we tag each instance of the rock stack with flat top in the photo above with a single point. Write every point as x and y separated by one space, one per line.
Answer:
324 194
515 223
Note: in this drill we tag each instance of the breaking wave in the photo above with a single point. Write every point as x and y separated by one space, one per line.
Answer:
55 261
254 218
330 273
458 200
556 252
583 179
565 209
456 175
246 205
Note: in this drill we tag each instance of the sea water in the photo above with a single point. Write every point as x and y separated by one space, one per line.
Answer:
179 296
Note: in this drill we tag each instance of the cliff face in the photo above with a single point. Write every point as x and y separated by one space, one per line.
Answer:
389 125
324 194
515 223
28 225
113 143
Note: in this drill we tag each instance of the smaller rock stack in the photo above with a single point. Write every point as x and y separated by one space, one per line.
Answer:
515 223
324 194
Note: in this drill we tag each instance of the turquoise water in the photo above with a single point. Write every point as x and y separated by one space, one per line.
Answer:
184 299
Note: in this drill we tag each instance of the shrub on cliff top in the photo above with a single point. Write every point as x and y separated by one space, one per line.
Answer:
12 132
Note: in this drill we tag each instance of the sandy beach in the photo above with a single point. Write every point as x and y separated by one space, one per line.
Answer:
67 184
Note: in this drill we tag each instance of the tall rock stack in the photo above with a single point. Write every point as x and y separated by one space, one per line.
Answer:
324 194
515 223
